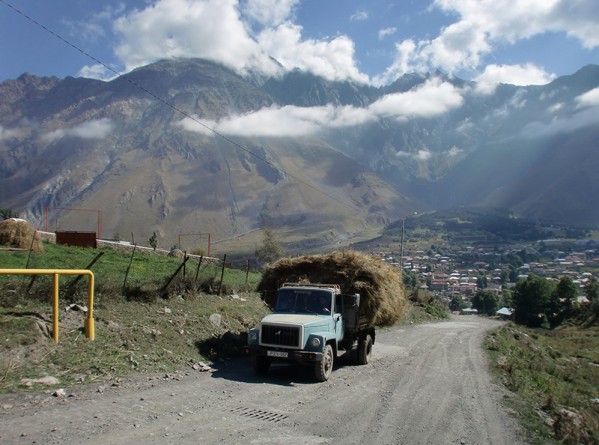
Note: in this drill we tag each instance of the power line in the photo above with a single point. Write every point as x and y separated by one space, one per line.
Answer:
177 109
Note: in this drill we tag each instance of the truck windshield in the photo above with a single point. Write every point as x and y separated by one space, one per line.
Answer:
304 301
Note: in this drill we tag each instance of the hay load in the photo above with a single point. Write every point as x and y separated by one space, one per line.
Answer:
19 233
379 284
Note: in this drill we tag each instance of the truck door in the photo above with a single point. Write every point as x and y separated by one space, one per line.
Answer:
338 317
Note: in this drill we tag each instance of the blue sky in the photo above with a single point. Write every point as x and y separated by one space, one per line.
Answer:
513 41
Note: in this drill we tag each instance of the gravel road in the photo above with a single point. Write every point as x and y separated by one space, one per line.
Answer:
425 384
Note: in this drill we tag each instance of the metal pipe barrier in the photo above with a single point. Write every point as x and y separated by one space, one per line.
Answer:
89 321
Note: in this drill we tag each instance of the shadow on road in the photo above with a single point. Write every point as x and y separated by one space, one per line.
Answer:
241 370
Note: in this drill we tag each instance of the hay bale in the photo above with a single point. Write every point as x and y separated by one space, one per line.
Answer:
380 285
19 233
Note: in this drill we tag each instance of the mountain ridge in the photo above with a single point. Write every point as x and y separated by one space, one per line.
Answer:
78 142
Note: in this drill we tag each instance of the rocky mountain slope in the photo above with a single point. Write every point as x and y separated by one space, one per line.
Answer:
319 161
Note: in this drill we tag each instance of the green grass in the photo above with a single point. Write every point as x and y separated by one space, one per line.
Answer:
551 371
141 276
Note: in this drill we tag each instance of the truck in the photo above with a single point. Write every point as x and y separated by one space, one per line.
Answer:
312 325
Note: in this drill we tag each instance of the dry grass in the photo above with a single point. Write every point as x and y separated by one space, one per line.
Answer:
19 233
379 284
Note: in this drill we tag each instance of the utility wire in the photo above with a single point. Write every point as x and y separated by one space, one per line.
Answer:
175 108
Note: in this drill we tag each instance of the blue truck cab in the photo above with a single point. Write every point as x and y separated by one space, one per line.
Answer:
310 325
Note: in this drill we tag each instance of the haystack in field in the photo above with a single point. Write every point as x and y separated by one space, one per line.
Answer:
379 284
19 233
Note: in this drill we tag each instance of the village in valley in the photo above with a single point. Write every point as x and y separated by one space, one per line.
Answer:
460 271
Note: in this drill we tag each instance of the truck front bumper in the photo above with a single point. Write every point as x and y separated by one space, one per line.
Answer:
279 355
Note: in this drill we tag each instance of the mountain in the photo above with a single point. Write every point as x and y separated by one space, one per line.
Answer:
139 149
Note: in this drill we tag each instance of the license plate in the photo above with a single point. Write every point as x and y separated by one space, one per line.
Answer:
277 354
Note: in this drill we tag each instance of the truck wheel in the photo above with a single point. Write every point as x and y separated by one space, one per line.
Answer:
364 350
261 365
323 369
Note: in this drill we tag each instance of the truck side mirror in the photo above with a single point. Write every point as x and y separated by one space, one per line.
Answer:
357 301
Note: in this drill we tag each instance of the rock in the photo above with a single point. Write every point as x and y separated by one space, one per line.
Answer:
45 381
76 307
216 319
59 393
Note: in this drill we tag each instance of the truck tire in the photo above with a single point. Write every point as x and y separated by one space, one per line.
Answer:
364 350
261 365
323 369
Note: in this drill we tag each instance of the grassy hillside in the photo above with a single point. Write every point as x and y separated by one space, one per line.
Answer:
137 329
555 375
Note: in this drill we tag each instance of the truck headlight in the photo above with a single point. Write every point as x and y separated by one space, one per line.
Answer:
253 336
315 342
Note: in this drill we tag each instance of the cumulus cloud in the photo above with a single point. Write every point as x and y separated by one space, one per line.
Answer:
94 129
332 59
588 99
269 12
210 29
528 74
484 24
283 121
263 36
431 99
97 72
218 30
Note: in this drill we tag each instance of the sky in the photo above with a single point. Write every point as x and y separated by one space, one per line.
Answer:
522 42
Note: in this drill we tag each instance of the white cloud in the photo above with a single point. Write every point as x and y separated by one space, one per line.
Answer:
332 59
282 121
386 32
215 30
431 99
210 29
94 129
359 16
528 74
249 34
484 24
588 99
269 12
97 72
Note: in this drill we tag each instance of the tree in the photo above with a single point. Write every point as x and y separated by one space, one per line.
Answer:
481 280
271 248
457 303
153 241
506 298
531 299
592 290
485 302
592 293
567 292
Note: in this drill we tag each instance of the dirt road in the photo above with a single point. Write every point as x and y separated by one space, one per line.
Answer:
426 384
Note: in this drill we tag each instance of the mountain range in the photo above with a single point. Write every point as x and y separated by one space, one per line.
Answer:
190 147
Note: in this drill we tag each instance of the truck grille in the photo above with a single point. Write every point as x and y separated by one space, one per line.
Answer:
277 335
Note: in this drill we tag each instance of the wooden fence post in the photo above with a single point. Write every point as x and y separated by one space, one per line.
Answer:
222 274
